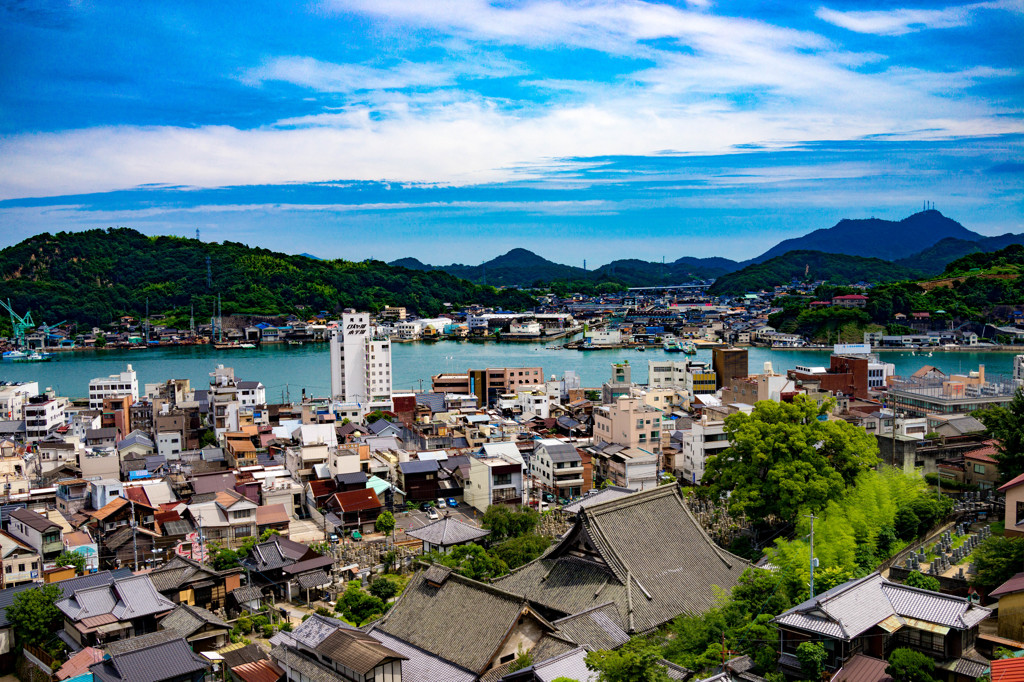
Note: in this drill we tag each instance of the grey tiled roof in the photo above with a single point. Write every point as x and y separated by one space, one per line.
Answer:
309 581
424 616
657 563
594 629
180 571
570 664
421 665
173 659
186 620
246 593
124 599
308 668
447 531
418 467
849 609
121 646
597 497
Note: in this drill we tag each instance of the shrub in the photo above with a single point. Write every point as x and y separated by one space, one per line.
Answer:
268 631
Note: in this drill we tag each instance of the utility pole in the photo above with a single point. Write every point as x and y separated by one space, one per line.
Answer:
813 562
135 543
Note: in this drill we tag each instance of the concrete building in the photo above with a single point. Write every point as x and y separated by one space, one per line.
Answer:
559 469
38 532
705 437
497 475
360 364
13 397
629 422
956 394
125 383
728 364
42 415
488 384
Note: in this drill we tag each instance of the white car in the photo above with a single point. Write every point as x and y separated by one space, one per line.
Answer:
440 503
432 514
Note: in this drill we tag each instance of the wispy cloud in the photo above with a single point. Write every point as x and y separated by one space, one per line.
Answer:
897 22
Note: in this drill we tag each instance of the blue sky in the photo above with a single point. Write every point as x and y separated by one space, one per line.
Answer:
455 130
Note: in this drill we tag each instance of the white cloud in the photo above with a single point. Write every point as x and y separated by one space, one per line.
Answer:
901 21
330 77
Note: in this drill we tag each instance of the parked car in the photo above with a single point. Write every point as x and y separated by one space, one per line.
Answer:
432 514
440 503
452 503
425 506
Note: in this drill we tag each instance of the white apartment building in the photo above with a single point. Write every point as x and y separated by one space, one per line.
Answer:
251 393
113 386
704 438
169 445
13 397
43 415
496 476
1018 370
360 365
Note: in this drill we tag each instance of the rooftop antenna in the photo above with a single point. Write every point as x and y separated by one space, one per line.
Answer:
197 234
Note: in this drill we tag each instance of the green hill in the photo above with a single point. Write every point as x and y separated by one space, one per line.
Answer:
810 266
95 276
935 258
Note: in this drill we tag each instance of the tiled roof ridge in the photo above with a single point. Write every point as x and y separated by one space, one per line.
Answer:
373 626
584 612
565 654
594 533
934 595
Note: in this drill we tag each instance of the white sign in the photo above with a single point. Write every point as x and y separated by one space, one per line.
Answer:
851 349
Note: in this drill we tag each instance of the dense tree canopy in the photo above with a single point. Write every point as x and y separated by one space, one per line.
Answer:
1006 424
785 459
997 559
33 615
94 276
509 522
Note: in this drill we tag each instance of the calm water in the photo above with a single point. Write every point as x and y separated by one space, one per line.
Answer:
291 368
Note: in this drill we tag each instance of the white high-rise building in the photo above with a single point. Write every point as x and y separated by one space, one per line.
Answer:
113 386
360 364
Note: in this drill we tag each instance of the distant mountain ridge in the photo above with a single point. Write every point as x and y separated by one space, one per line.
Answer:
876 238
922 243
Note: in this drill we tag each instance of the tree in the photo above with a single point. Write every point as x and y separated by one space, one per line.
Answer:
377 415
384 588
784 460
33 615
470 560
101 341
997 559
636 661
521 550
1005 423
74 559
925 582
524 659
385 523
506 522
830 576
357 606
907 665
812 657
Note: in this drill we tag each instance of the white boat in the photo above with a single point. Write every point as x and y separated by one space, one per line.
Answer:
12 355
247 345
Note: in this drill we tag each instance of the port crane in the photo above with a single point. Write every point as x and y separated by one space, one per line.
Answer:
19 324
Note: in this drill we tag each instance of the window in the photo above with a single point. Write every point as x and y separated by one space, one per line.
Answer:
502 479
979 468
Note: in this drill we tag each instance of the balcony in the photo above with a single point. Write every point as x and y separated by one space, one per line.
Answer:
569 482
578 469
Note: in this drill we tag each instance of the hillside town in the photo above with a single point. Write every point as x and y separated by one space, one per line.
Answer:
504 524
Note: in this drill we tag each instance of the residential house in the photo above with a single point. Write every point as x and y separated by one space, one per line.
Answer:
1013 518
623 466
324 648
872 615
1011 607
163 661
8 652
124 608
273 517
228 517
497 475
559 468
19 562
630 422
200 628
38 532
285 567
357 509
418 479
186 581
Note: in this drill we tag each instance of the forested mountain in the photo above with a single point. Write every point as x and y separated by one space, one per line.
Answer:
95 276
875 238
520 267
810 266
935 258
